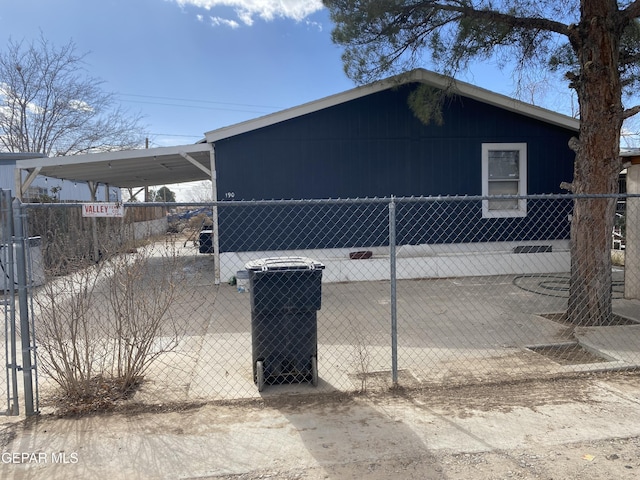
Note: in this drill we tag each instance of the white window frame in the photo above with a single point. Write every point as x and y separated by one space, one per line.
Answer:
521 210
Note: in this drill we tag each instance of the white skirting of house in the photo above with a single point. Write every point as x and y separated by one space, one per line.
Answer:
423 261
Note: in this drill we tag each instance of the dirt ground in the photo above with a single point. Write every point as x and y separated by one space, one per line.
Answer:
570 428
611 458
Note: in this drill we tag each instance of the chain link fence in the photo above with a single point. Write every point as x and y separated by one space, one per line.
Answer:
358 295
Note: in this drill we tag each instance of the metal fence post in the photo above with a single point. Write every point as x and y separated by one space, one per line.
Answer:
10 311
21 275
392 275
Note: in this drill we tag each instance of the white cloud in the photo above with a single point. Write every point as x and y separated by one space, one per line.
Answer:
314 25
245 16
80 105
5 91
246 10
217 21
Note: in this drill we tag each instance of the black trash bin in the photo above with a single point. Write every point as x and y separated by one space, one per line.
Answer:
286 293
205 240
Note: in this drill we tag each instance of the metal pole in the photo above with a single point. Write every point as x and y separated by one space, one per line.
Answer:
215 238
25 336
392 274
34 345
10 319
93 187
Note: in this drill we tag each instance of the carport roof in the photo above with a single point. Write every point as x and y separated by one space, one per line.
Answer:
130 168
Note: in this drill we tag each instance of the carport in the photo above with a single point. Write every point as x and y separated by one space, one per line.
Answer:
129 169
124 169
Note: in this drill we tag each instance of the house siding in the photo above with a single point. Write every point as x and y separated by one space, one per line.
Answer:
68 191
375 147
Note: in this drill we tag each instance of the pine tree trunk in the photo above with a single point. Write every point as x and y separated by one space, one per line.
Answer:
597 164
590 291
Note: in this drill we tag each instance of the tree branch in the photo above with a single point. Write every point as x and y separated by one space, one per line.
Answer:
632 11
528 23
630 112
629 60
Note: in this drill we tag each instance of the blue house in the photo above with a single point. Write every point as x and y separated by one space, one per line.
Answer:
367 142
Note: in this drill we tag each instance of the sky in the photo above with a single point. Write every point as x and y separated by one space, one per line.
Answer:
191 66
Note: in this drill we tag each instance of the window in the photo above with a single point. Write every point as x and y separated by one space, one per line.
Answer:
504 172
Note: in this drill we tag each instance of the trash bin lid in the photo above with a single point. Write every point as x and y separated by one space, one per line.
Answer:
283 263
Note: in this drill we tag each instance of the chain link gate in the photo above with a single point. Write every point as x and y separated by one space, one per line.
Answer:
17 264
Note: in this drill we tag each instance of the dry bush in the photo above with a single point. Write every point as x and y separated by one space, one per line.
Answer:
361 359
200 220
142 287
72 347
100 328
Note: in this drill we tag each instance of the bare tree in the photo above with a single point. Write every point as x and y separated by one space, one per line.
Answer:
103 326
50 105
200 192
596 42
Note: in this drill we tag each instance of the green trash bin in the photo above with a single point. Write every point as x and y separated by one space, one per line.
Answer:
285 295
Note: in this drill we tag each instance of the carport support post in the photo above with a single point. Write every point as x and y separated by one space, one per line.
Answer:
632 236
21 275
93 188
214 216
392 275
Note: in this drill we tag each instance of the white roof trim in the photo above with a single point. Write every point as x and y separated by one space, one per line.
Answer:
419 75
129 168
111 156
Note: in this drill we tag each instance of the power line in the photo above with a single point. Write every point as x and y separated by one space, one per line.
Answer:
200 107
175 99
175 135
